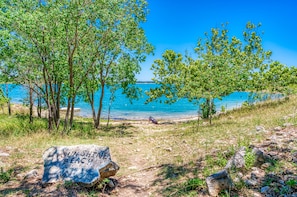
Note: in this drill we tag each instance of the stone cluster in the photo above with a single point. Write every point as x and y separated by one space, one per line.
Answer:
280 146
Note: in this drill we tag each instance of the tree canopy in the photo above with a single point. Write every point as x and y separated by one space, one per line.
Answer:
223 65
63 49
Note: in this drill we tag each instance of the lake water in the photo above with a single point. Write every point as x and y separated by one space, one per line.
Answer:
122 108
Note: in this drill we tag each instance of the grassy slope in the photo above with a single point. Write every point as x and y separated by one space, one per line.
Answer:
181 150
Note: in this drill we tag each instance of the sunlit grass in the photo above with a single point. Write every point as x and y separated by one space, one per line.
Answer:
182 151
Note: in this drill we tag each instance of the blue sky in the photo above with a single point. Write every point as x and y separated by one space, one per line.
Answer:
178 24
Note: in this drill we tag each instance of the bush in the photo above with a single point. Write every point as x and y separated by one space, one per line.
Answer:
205 108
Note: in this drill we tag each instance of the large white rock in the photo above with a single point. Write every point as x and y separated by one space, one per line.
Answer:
86 164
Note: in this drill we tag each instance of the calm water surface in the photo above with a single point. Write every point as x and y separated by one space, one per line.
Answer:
121 108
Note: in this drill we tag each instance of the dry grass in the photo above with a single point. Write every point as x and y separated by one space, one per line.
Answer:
179 150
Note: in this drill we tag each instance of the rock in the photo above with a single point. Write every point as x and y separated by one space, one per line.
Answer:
251 182
260 129
111 184
4 154
265 165
132 168
218 182
256 194
265 189
85 164
294 194
261 157
287 124
169 149
237 161
31 174
278 128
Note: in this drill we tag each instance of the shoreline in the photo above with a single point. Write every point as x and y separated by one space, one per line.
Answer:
18 108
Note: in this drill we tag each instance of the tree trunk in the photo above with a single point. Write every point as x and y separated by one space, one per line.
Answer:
66 120
93 108
57 114
100 107
108 116
109 107
9 107
30 104
50 118
72 111
8 101
209 110
39 106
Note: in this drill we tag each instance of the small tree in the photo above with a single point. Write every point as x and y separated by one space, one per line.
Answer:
3 99
222 67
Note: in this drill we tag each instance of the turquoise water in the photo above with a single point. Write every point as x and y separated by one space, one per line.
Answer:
121 108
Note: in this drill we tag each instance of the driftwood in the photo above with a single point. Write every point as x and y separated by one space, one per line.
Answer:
218 182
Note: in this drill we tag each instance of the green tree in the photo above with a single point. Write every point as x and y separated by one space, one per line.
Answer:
122 45
71 47
275 78
223 66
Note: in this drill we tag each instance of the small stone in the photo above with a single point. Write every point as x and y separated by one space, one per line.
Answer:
265 165
265 189
239 174
287 171
251 182
278 128
132 168
169 149
260 128
253 176
31 174
281 182
111 184
4 155
256 194
287 124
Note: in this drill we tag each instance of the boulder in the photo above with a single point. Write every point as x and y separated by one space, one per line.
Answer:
237 161
83 164
218 182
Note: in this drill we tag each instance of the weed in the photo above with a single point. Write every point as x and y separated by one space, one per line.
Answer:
193 184
103 184
239 185
267 182
275 167
225 193
69 184
249 159
5 176
285 190
291 183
